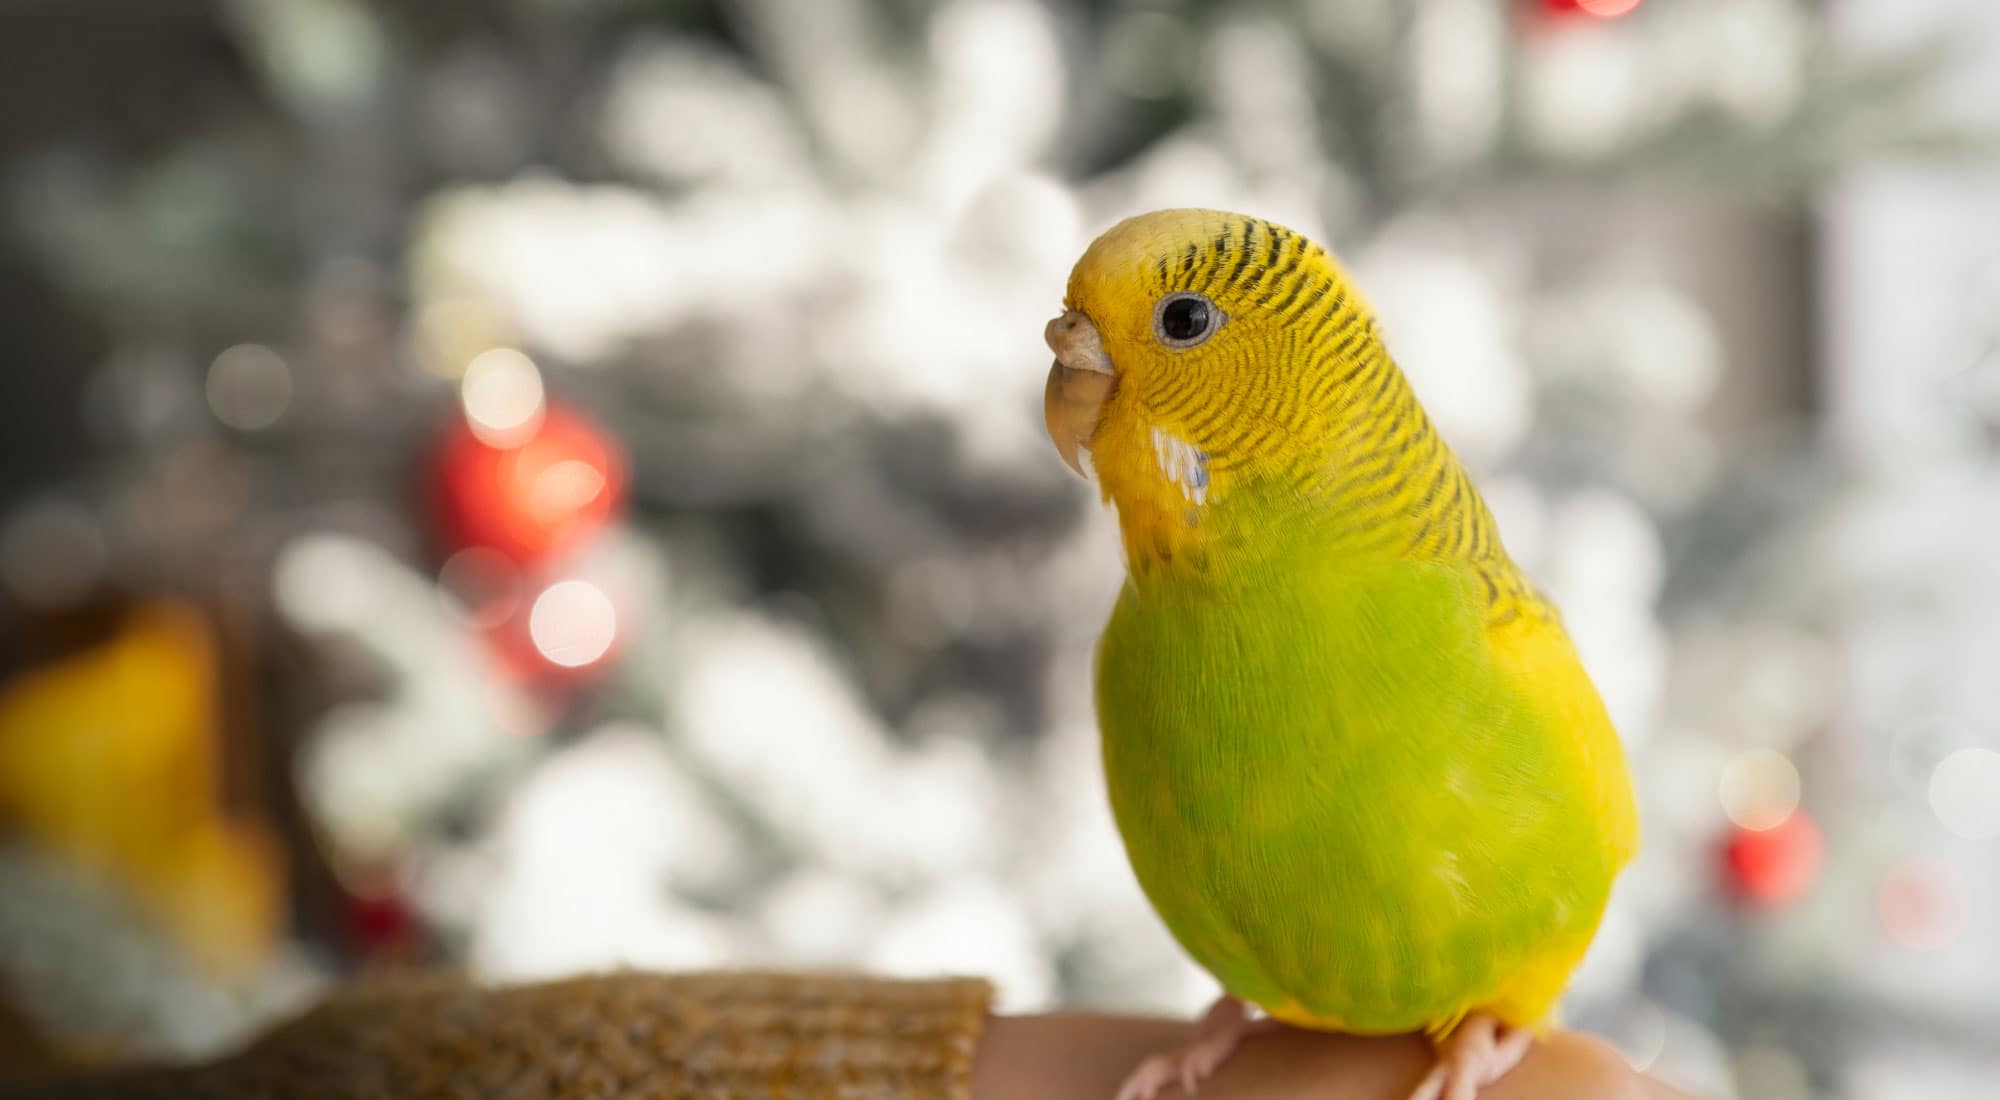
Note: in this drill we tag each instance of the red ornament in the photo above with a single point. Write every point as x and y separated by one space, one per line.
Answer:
1594 9
379 923
527 499
1775 866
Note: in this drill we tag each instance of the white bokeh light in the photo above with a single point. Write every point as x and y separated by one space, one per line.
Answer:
689 114
503 398
249 387
1759 789
816 917
1965 793
1447 320
573 623
1604 570
768 708
374 769
999 82
581 871
1583 90
1459 51
969 925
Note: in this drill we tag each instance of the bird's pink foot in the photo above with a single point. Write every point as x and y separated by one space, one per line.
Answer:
1480 1051
1222 1029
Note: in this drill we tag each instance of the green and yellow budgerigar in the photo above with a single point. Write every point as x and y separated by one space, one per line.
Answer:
1356 763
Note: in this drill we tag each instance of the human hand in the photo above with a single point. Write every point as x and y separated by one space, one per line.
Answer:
1084 1056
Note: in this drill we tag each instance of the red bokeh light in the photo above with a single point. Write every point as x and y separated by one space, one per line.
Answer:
1924 904
1771 867
531 501
1600 9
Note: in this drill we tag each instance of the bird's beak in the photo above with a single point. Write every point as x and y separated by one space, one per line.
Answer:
1080 381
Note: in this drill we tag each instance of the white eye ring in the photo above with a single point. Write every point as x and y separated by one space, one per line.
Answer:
1184 319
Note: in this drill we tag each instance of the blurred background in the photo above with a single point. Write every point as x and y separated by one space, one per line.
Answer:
541 485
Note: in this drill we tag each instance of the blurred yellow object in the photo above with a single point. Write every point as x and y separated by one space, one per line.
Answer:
110 757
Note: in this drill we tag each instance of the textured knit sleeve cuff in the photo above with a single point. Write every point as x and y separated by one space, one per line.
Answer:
746 1036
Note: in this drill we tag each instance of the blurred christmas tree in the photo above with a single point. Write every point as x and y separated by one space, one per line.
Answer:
606 437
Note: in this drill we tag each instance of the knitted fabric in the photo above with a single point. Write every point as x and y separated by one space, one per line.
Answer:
726 1036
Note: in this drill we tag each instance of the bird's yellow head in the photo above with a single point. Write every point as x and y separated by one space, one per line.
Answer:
1201 352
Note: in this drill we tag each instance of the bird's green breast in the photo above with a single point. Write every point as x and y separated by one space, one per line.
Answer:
1338 797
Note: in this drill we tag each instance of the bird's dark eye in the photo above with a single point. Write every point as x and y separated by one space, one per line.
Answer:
1184 320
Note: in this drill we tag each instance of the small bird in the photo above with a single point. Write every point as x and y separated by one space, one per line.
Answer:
1357 766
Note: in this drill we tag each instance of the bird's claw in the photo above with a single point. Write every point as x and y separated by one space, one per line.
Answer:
1189 1066
1152 1075
1479 1053
1220 1032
